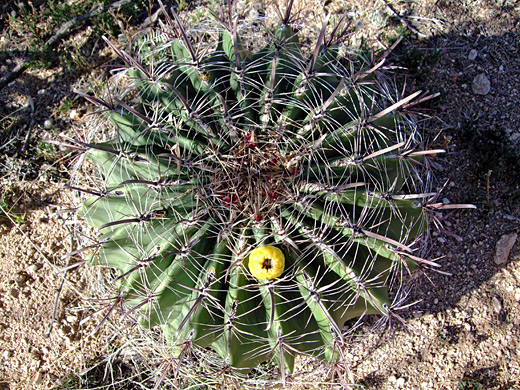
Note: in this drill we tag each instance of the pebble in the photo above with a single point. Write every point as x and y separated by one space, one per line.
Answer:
7 354
38 378
47 124
497 305
472 55
481 85
511 217
503 248
14 292
33 268
74 114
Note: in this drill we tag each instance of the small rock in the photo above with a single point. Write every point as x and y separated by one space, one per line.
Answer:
14 292
472 55
71 319
74 114
7 354
503 248
453 77
253 14
38 378
497 305
47 124
481 85
33 268
392 379
400 382
21 278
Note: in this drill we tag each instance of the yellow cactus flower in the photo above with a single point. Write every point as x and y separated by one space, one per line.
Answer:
266 262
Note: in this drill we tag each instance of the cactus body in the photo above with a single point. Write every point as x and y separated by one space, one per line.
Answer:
229 151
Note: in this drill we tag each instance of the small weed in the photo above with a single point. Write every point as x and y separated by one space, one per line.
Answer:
46 151
69 382
67 104
361 385
449 335
469 384
182 5
7 213
398 32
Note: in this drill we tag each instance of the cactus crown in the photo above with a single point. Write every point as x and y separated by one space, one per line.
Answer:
226 151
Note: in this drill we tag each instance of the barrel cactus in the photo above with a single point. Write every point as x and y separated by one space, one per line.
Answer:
253 203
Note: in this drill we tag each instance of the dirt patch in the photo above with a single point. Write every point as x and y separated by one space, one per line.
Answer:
33 245
463 332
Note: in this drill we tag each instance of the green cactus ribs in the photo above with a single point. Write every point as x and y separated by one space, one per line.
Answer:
227 151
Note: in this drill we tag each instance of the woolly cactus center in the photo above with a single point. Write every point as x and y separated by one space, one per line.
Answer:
252 178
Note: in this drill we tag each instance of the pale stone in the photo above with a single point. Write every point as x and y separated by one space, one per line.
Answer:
481 85
497 305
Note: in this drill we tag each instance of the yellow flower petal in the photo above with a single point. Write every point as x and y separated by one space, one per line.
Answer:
266 262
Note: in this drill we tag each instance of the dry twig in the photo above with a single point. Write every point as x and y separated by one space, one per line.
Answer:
404 20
